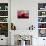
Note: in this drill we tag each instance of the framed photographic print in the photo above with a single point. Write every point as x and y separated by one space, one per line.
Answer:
3 19
41 25
41 6
22 14
3 13
42 32
4 29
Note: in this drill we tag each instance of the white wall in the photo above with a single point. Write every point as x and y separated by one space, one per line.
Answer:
22 25
4 41
3 1
32 6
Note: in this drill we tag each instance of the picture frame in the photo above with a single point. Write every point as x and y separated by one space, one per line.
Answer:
42 33
23 14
